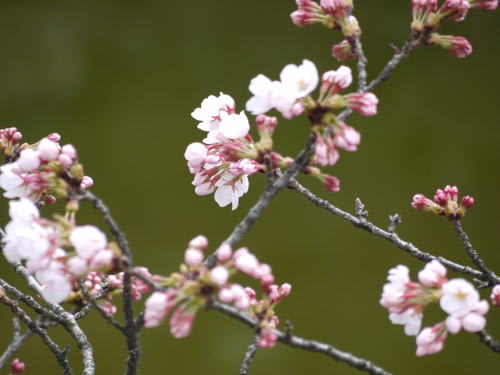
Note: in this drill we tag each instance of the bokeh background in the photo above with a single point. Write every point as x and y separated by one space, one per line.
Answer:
119 80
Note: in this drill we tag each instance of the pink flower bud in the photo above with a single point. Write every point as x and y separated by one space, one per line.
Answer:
266 123
453 324
467 202
339 79
251 293
50 199
17 367
482 307
422 203
273 293
331 183
224 252
285 290
495 295
193 257
226 295
65 160
343 50
86 182
54 137
28 160
302 17
267 338
485 4
199 242
219 275
433 275
16 137
70 151
101 259
365 103
77 266
246 263
181 323
473 322
336 8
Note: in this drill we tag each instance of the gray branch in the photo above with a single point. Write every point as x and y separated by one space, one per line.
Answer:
13 347
300 343
489 341
361 64
61 355
392 237
474 256
249 355
67 320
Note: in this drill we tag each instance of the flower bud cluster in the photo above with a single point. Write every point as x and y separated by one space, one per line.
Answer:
9 138
427 17
95 280
406 299
445 203
55 251
222 163
195 285
334 14
44 170
343 50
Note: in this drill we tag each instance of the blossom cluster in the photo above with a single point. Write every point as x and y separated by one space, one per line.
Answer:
196 284
55 251
428 16
444 203
406 299
334 14
94 282
223 162
42 171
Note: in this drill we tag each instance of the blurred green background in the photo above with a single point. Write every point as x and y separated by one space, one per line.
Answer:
119 80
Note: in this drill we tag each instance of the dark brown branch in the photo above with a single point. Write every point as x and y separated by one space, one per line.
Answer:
249 355
301 343
392 237
474 256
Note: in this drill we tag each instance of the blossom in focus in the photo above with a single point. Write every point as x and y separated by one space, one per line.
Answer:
42 170
296 82
445 203
222 165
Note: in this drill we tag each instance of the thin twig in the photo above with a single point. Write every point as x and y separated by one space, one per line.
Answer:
301 343
61 355
130 329
66 319
474 256
487 339
93 302
389 236
249 355
13 347
361 65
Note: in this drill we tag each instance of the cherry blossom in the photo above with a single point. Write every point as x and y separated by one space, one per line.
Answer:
444 203
431 340
17 367
495 295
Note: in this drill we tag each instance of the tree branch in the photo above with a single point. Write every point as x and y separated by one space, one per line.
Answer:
474 256
67 320
61 355
361 65
487 339
301 343
249 355
392 237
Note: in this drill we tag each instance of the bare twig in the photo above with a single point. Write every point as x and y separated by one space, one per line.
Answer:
361 65
249 355
487 339
61 355
67 320
13 347
301 343
472 253
389 236
93 303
